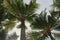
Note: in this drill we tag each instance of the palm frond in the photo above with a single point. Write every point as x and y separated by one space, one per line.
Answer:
40 21
8 25
35 36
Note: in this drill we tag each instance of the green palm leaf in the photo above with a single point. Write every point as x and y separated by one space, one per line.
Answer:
9 25
57 36
36 36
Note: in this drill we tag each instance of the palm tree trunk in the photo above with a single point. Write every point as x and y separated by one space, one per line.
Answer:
3 35
23 30
52 37
48 33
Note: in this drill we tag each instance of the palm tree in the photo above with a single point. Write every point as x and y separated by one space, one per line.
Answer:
1 11
56 10
3 23
2 32
45 22
21 11
56 6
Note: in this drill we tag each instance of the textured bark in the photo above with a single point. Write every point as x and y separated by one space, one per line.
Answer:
3 34
23 36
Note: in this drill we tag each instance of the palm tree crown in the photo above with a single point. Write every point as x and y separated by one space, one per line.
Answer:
21 11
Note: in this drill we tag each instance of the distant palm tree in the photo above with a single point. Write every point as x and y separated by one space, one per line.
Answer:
2 32
21 11
45 22
56 10
3 23
56 4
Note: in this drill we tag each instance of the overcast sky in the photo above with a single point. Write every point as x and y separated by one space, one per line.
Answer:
43 4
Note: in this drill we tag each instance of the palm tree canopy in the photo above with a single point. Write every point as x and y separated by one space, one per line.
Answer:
18 7
1 11
56 11
56 4
43 20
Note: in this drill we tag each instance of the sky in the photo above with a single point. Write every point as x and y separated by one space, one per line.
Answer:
42 5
